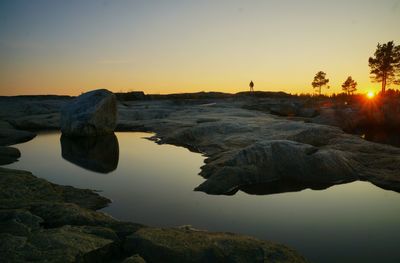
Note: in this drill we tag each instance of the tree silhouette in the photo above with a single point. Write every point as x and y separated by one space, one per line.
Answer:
349 86
385 65
320 81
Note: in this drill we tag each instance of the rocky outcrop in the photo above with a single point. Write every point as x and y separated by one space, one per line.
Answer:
32 112
278 160
9 135
22 236
262 154
46 121
183 245
20 189
44 222
246 150
91 114
8 155
283 107
64 244
223 130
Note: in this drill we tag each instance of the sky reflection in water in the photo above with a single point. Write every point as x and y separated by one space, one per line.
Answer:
153 185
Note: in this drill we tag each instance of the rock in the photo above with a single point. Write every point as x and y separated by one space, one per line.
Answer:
285 109
307 112
8 155
10 136
44 222
39 212
5 125
47 121
19 189
90 114
18 222
64 244
318 136
279 160
56 214
99 154
234 129
179 245
12 108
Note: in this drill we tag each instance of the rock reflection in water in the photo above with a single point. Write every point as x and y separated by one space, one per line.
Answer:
99 154
282 186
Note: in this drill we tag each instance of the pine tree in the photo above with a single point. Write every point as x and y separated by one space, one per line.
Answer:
349 86
320 81
385 65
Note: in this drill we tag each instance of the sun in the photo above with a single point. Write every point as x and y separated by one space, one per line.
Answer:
370 94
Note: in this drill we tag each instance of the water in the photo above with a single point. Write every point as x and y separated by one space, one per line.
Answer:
153 184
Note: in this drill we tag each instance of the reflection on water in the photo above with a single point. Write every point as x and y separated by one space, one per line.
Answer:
353 222
288 186
99 154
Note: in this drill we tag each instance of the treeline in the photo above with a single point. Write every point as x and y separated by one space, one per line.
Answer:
139 95
384 65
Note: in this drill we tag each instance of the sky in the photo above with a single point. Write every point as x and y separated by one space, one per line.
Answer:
73 46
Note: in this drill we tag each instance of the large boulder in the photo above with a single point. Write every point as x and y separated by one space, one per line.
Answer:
90 114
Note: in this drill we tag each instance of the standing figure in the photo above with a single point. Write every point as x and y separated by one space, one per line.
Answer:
251 85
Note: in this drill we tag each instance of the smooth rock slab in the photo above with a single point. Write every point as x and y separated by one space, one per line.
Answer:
90 114
279 160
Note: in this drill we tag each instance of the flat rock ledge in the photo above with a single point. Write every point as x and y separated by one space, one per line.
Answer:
45 222
260 153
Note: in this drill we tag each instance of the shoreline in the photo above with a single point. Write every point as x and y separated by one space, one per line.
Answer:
239 144
41 211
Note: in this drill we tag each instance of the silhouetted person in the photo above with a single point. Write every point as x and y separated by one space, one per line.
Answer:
251 85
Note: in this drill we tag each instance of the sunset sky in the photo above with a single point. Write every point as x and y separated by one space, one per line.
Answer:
69 47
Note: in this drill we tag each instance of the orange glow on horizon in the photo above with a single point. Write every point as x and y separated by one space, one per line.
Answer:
145 46
370 95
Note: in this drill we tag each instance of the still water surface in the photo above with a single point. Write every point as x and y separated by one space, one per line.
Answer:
153 184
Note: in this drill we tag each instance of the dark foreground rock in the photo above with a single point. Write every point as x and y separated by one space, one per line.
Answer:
8 155
45 222
185 245
90 114
9 135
